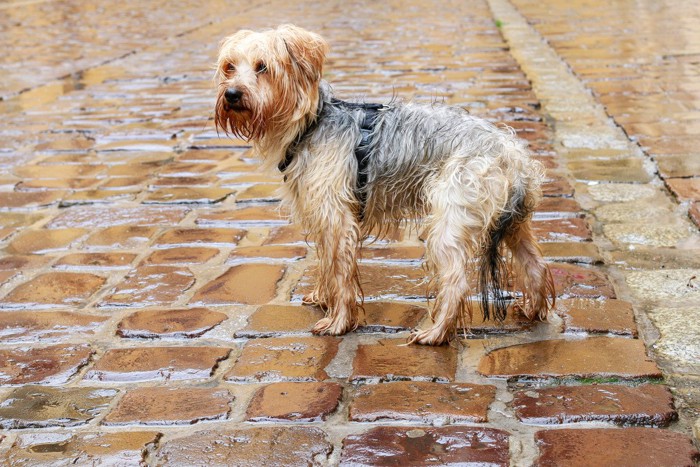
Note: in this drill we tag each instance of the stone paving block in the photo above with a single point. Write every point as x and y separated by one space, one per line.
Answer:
93 217
595 357
267 253
248 216
97 197
39 407
284 359
78 261
578 281
157 363
55 289
378 282
45 365
215 237
29 199
645 405
248 284
294 445
629 447
390 317
150 286
47 326
586 253
55 448
123 236
422 402
286 234
189 195
452 445
392 360
597 316
296 402
260 193
192 182
44 241
694 212
22 263
557 208
279 320
170 406
181 255
185 323
653 235
685 189
611 170
393 253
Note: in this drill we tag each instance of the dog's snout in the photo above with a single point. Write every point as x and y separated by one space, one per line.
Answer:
233 95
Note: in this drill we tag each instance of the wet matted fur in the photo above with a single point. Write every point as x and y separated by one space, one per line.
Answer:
473 184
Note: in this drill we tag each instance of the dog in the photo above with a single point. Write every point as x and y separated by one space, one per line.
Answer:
351 169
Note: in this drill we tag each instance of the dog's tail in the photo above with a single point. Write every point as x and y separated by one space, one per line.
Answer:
493 269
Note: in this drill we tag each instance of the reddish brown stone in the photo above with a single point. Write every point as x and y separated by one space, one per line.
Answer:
378 282
515 321
184 255
170 406
685 189
149 286
453 445
56 288
694 212
629 447
285 235
95 260
299 402
29 199
579 252
188 195
278 320
559 207
260 193
594 357
123 236
181 323
597 316
58 171
129 448
254 215
422 402
393 253
46 365
649 404
289 445
44 241
391 317
185 169
33 326
577 281
392 360
37 407
92 217
263 253
248 284
157 363
217 237
284 359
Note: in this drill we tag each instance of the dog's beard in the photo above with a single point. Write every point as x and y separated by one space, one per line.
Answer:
245 120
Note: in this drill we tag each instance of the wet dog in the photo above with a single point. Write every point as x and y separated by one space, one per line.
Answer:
352 168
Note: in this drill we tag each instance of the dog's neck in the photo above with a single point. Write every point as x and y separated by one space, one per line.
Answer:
273 148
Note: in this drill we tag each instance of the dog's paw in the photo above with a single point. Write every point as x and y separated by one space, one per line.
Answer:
330 327
430 337
313 299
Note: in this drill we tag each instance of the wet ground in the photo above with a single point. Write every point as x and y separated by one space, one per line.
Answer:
149 285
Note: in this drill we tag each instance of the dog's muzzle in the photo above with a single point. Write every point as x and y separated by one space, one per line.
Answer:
234 99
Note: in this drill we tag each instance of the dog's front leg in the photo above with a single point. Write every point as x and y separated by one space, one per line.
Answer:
338 285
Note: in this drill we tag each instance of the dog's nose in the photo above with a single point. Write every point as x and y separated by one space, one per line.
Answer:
233 95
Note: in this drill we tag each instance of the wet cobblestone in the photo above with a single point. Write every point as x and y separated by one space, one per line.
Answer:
150 284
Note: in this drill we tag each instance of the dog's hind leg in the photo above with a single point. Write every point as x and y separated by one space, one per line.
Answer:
532 272
338 277
464 200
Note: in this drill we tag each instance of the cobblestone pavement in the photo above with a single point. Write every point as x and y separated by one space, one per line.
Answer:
149 285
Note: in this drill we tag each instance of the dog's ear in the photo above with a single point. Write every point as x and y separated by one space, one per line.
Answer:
306 49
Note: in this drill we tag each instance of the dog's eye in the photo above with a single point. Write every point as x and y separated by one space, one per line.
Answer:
260 68
230 68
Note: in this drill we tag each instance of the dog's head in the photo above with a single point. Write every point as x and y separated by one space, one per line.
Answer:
268 81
